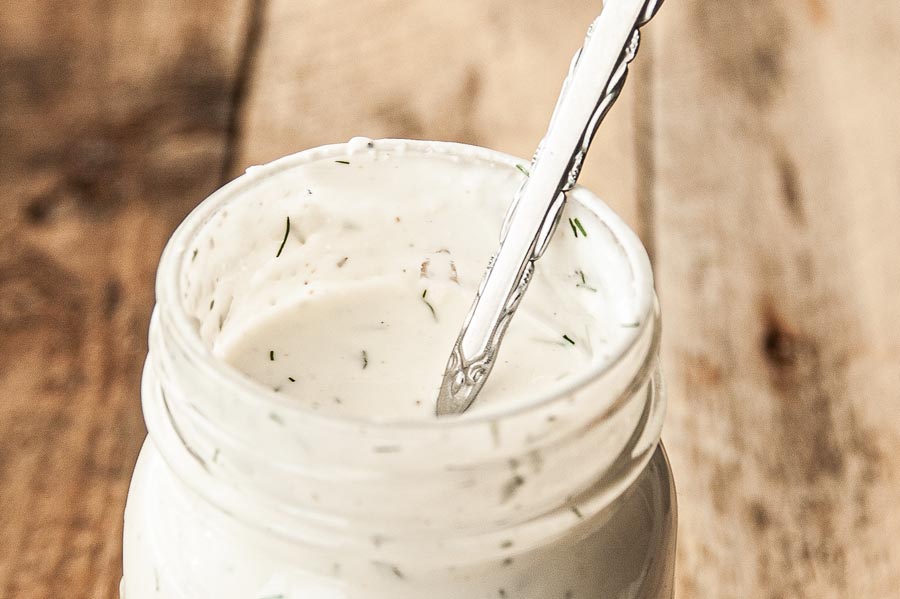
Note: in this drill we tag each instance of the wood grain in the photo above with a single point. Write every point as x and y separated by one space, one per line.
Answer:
485 73
113 124
755 150
775 196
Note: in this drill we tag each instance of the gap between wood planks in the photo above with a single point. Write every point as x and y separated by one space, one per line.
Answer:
256 17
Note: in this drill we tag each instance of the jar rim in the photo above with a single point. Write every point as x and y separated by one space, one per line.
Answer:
186 334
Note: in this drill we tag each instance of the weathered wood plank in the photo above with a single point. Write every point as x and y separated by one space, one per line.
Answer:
486 73
772 183
775 198
113 124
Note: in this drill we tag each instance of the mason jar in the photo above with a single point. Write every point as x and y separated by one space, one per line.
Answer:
241 492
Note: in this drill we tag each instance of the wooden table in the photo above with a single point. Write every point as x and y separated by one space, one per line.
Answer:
755 150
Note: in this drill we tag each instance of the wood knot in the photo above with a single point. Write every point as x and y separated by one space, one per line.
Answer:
779 344
759 516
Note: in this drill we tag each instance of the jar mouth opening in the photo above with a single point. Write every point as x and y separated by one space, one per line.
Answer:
187 336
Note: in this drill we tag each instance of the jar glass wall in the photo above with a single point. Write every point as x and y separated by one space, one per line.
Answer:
241 492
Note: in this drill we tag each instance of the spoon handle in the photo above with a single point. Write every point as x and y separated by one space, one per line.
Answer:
595 79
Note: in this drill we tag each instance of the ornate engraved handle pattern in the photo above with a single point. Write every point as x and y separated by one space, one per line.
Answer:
465 376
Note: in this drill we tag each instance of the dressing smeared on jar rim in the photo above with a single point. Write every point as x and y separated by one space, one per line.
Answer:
342 283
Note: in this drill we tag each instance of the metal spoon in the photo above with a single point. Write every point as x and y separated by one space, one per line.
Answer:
596 76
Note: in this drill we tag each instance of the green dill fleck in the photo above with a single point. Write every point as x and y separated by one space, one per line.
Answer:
569 339
580 228
278 596
215 455
287 229
342 161
271 355
342 261
212 303
574 230
365 359
292 379
583 284
501 592
631 325
507 561
577 512
276 418
506 544
523 170
427 303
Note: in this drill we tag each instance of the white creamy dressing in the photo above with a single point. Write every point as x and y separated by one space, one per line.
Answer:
357 311
350 314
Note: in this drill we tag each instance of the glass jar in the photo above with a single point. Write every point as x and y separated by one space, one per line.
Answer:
240 493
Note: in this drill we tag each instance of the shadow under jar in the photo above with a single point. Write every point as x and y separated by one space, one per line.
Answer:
554 485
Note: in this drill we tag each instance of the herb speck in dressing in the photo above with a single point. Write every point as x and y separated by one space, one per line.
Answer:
427 303
583 284
577 227
287 229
